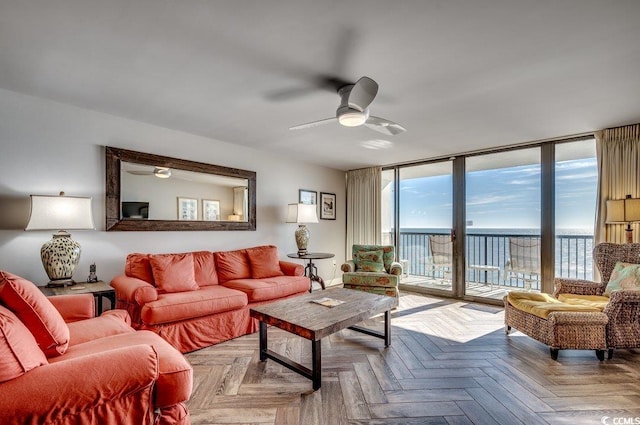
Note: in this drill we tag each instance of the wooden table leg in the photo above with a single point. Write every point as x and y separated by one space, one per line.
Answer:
316 368
263 341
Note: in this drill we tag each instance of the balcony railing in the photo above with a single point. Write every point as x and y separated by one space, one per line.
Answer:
572 257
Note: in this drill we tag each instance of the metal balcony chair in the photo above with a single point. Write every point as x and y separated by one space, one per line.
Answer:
524 260
441 258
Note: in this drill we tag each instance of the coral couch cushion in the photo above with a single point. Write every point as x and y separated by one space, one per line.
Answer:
36 312
188 305
269 288
174 272
264 261
205 268
175 380
232 265
19 352
139 266
624 276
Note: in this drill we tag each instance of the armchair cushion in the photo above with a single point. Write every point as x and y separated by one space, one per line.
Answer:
74 307
624 276
19 352
36 312
370 261
388 254
598 301
174 272
264 262
541 304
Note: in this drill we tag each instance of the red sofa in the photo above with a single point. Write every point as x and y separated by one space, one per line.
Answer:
60 364
197 299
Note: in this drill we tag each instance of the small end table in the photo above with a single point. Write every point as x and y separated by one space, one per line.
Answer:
311 271
98 289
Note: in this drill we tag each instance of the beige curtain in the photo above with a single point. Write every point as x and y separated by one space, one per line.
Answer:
618 152
364 222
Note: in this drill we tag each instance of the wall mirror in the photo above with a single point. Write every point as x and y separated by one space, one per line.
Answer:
153 192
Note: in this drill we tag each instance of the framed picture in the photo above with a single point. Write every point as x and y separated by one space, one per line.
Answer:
210 210
308 197
187 209
327 206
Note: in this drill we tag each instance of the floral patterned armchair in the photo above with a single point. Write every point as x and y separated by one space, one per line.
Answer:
372 269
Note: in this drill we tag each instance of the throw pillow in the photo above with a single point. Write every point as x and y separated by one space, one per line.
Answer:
19 352
205 268
42 319
232 265
624 276
370 261
264 261
138 266
173 272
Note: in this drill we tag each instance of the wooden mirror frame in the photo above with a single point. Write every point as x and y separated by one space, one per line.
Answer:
114 158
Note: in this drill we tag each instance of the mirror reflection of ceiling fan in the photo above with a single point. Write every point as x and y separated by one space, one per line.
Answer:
354 109
160 172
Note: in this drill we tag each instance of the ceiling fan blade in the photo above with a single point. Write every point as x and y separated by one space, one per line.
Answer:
140 172
313 124
384 126
362 93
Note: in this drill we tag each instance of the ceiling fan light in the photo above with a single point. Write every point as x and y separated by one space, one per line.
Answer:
352 118
162 172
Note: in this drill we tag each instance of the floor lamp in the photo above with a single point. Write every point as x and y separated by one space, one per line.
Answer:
624 211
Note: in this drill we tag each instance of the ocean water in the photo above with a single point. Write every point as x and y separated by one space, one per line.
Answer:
490 246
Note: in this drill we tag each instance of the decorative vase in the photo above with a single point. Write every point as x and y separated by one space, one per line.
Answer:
302 239
60 256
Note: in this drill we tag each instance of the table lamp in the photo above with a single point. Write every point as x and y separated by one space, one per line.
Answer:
302 214
624 211
61 254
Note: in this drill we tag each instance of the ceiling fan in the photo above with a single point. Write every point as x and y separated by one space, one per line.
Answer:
354 109
160 172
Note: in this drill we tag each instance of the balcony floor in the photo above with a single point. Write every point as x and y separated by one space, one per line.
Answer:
476 289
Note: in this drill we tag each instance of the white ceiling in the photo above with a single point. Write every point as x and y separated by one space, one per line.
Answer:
459 75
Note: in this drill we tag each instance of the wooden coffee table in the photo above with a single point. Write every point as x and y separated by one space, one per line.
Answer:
312 321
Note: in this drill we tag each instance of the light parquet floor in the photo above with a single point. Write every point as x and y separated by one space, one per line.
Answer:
449 363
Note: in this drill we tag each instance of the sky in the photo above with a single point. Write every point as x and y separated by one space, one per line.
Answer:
504 198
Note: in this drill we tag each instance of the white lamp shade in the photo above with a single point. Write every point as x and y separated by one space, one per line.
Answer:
632 209
60 212
301 213
615 211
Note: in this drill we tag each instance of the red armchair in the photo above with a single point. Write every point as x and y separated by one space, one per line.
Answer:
97 369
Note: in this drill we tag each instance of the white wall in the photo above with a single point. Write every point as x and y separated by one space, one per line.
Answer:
46 147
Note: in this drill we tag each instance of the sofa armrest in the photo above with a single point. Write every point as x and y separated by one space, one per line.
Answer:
74 307
577 286
133 290
83 388
395 269
348 267
291 269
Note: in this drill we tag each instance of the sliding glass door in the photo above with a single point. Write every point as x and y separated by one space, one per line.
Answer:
576 182
425 217
503 223
522 217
